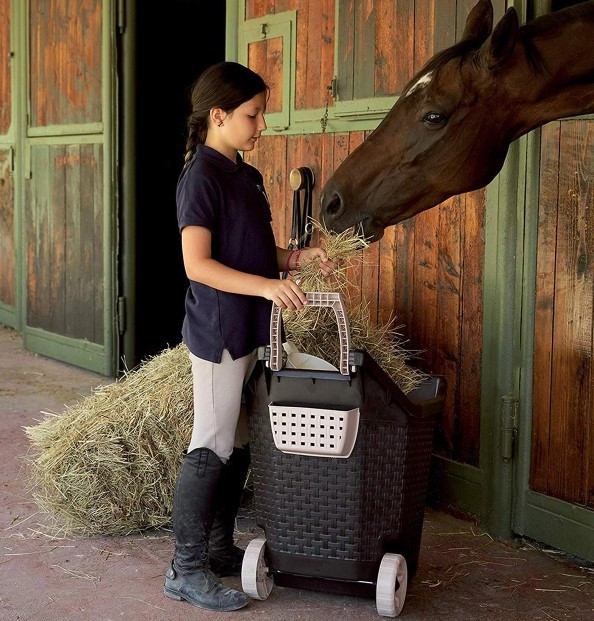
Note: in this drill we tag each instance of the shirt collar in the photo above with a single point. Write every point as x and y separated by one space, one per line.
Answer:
218 159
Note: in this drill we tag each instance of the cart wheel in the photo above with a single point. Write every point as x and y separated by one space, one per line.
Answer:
390 591
255 580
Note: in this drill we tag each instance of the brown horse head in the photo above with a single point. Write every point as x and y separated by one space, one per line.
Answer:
450 129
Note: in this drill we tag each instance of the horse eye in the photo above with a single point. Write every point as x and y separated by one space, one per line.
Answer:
434 119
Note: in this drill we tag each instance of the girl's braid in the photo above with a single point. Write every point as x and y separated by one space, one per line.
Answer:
197 128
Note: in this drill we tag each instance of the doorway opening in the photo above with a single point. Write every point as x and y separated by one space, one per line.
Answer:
176 41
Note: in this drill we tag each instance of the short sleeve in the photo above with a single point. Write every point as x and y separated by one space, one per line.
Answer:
197 199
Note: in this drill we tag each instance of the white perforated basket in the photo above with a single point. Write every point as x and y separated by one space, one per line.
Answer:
314 431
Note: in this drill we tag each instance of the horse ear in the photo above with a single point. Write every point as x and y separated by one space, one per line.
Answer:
479 21
503 40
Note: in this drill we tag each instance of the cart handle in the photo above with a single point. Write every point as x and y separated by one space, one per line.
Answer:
320 299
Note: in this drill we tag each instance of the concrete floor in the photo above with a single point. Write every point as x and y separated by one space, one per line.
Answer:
463 574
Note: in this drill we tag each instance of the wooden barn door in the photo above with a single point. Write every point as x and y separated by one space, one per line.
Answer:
68 212
557 503
8 283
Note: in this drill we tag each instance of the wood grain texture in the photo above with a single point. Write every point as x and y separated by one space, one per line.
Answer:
65 61
266 59
64 241
394 45
570 429
563 402
544 304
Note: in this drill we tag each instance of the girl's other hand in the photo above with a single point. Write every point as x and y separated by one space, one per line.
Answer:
285 294
327 266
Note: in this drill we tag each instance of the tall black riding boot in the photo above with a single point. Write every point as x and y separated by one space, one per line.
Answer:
189 577
225 556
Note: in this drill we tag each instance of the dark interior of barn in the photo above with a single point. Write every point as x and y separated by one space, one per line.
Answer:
175 42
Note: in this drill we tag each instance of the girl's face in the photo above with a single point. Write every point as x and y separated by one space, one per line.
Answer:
241 127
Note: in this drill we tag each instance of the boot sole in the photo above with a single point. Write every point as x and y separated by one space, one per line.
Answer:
179 597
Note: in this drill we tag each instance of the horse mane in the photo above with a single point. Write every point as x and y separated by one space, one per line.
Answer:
546 23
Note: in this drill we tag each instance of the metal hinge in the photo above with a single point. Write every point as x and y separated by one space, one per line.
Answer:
333 88
509 423
121 314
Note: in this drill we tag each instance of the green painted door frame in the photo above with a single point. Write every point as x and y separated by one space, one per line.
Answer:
12 315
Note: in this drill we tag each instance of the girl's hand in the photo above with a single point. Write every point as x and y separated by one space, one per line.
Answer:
285 294
307 255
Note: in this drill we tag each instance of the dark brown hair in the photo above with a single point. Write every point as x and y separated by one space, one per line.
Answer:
225 85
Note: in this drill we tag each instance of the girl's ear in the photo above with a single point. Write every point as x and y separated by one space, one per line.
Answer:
217 116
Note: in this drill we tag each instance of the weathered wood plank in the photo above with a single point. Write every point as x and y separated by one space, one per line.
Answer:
86 271
266 59
435 27
364 52
446 340
423 325
65 61
7 246
302 60
346 48
5 73
57 239
312 76
73 258
471 325
273 169
98 246
37 228
572 331
394 45
258 8
544 305
327 69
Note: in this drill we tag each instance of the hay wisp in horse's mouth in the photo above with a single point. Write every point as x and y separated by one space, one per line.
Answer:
369 229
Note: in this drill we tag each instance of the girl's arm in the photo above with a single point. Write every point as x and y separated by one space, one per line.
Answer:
201 267
289 260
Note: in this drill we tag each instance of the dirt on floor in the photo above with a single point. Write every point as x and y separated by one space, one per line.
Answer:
463 573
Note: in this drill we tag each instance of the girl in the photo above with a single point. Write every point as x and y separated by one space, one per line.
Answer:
233 265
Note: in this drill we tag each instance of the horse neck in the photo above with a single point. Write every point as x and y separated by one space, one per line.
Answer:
563 86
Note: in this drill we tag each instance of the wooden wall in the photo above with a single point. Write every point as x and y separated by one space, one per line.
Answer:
428 270
563 403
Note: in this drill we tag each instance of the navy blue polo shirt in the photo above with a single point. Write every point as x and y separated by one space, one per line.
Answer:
228 199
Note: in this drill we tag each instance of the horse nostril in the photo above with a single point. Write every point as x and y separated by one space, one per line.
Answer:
333 205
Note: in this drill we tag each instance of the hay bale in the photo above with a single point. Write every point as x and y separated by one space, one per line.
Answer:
108 464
